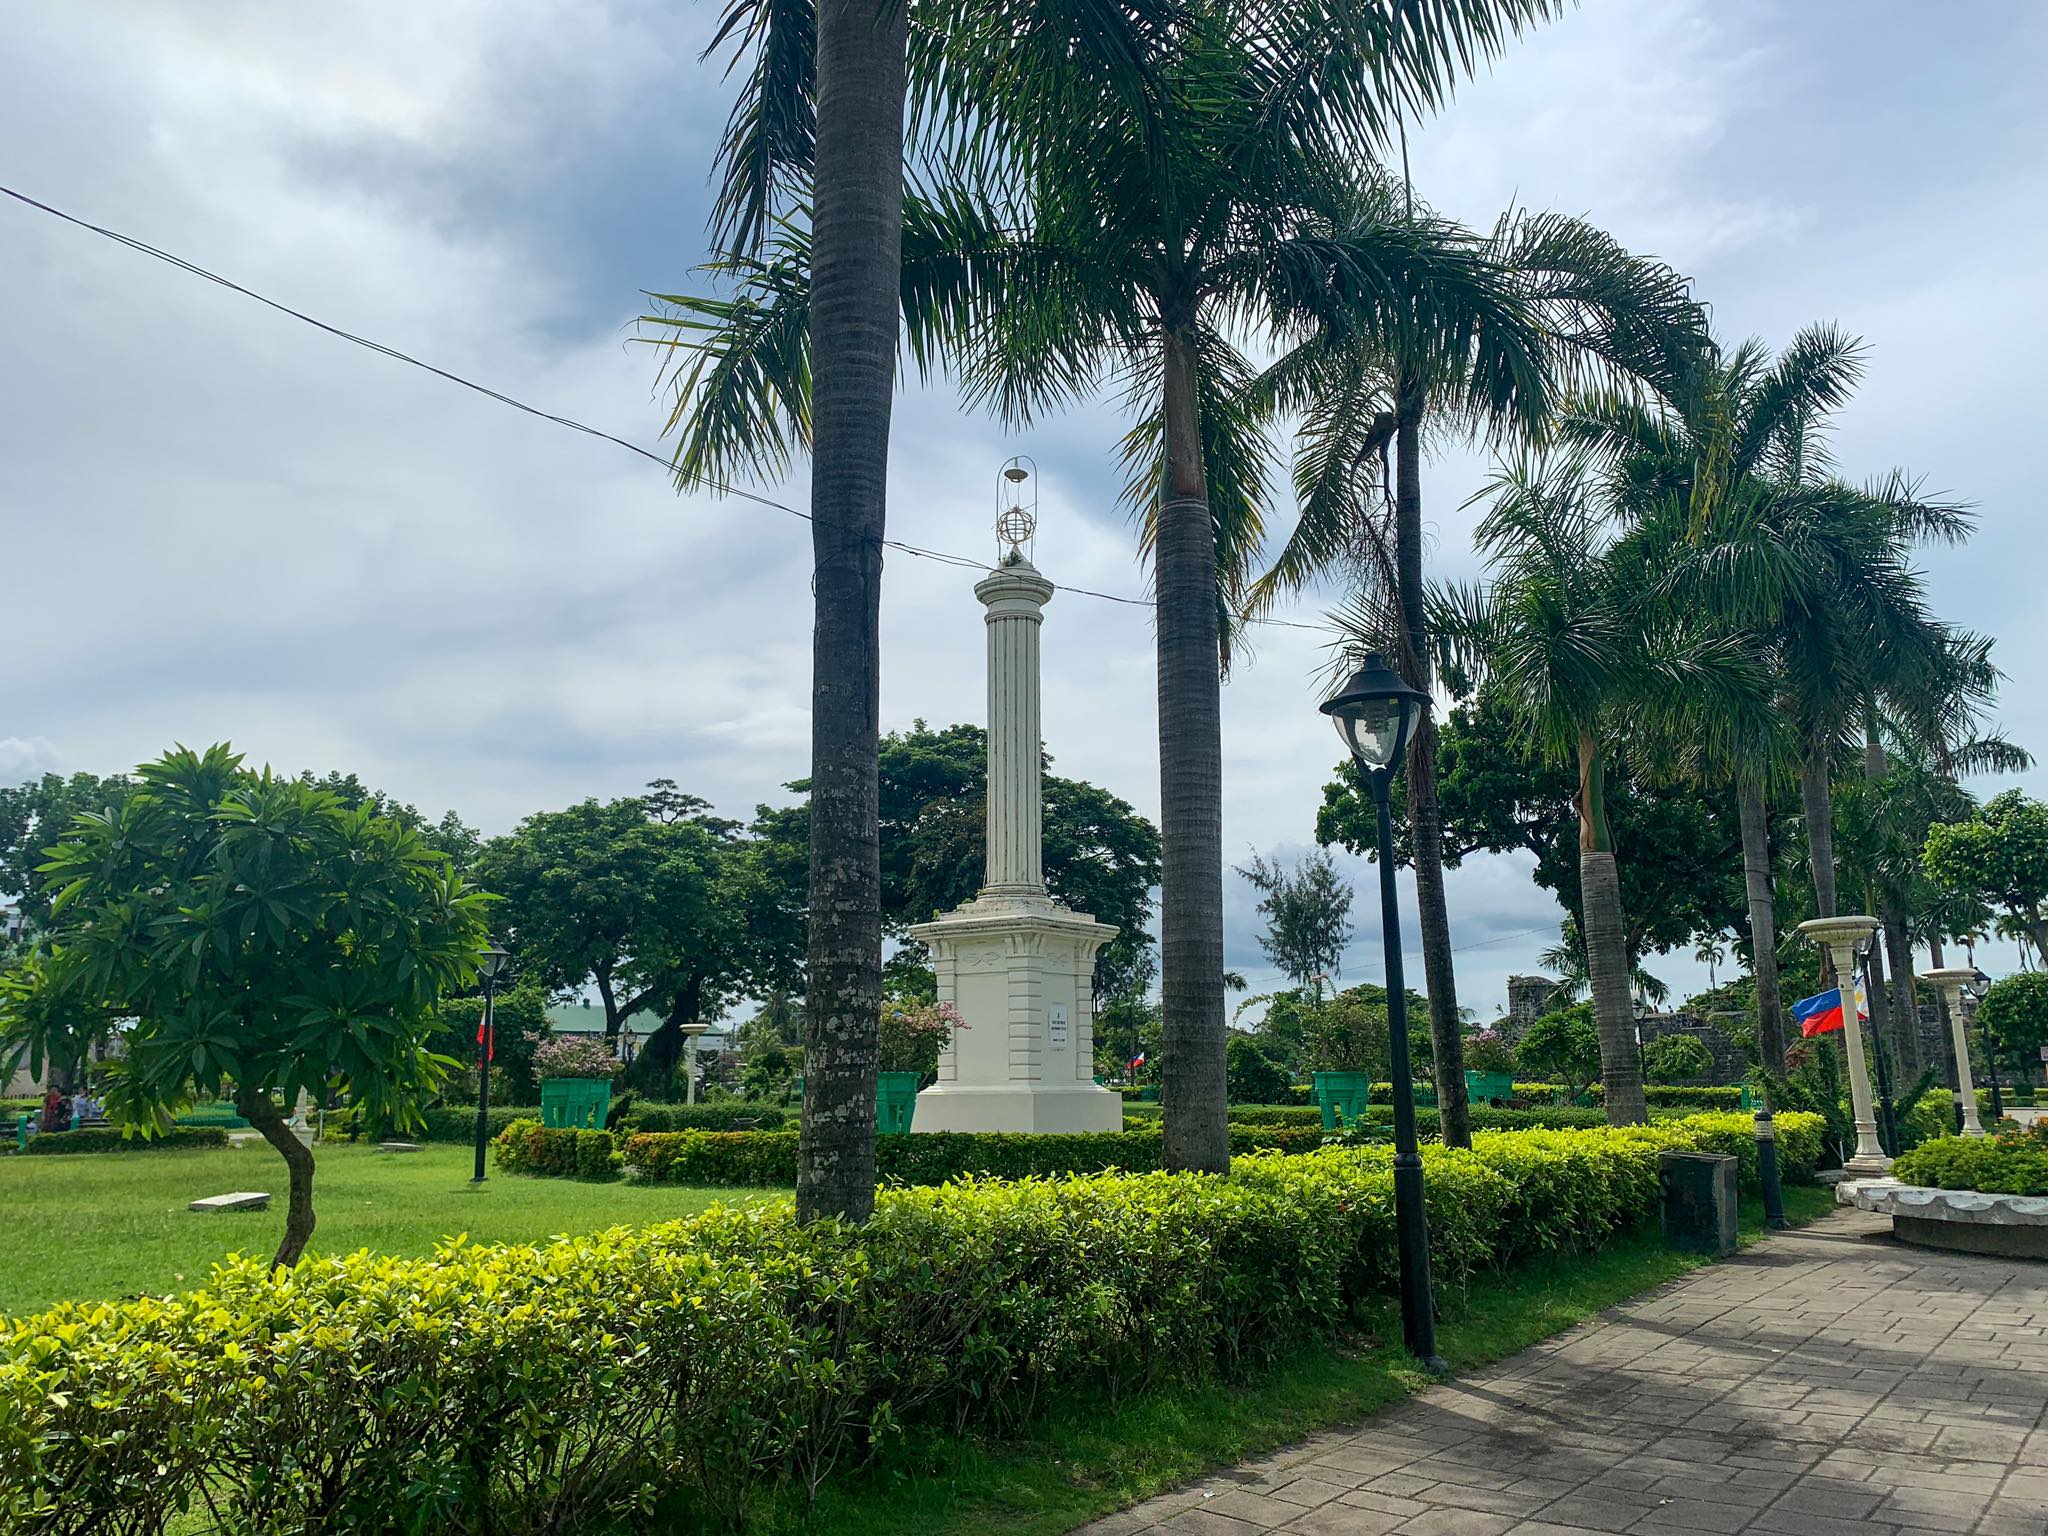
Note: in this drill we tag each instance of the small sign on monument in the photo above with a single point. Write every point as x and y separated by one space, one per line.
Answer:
1057 1026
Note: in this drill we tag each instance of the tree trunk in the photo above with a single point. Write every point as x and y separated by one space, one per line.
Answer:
1817 801
1446 1035
1607 965
1881 1029
255 1107
1905 999
856 284
1763 926
1197 1128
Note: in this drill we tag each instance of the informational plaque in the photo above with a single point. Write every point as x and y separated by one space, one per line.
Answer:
1058 1026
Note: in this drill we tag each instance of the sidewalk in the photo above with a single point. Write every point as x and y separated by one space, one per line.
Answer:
1824 1381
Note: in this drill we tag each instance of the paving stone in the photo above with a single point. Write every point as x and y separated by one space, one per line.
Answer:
1823 1383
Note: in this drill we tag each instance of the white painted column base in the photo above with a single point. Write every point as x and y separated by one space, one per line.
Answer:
1020 969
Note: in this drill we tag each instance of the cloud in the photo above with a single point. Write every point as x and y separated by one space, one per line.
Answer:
224 525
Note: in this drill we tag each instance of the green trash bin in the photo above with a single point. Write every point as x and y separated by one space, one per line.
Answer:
1483 1086
579 1102
895 1101
1343 1097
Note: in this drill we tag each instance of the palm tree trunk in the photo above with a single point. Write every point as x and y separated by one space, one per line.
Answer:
1606 946
1197 1132
1763 925
254 1106
1817 801
1881 1029
1446 1036
856 264
1905 1002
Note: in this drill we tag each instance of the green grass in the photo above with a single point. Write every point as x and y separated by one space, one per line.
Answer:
115 1224
1086 1459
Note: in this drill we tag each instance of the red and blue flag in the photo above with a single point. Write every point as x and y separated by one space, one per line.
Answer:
1821 1014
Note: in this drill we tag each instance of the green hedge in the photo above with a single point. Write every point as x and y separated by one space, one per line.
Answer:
180 1138
2014 1162
563 1152
708 1117
447 1122
750 1158
703 1364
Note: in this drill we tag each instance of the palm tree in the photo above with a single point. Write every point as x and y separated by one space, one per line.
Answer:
1589 311
1567 633
817 132
1125 239
1734 485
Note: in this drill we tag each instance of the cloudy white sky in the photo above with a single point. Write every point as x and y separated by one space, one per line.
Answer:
216 523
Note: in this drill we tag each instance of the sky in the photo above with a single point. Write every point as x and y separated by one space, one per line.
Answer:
219 524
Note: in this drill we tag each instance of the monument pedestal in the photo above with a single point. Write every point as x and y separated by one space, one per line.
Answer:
1020 969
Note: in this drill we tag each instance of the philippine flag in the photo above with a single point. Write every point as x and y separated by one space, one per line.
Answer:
1137 1061
486 1038
1822 1014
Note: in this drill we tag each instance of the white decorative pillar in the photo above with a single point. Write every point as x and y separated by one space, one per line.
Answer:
1839 936
1018 965
1952 979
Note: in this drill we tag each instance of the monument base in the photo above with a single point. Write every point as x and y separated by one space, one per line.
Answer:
1039 1108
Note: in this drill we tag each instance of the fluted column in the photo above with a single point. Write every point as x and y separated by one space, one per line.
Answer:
1015 596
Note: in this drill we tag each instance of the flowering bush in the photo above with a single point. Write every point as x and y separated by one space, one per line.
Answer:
913 1034
573 1056
1489 1051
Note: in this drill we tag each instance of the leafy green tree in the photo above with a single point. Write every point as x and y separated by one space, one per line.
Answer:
259 938
1499 793
1564 1044
1255 1078
1347 1033
1308 915
652 900
1125 1030
519 1023
450 835
2014 1013
1135 220
33 816
1584 663
1677 1059
1101 856
2000 858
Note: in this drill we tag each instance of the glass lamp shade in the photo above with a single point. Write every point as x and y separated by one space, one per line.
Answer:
1977 986
1376 713
492 963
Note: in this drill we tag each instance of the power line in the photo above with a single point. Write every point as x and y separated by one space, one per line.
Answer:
667 465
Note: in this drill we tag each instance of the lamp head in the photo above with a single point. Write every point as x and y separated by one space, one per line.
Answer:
492 962
1377 714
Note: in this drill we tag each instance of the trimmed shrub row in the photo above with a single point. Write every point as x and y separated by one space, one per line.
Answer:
179 1138
709 1117
2014 1162
676 1375
563 1152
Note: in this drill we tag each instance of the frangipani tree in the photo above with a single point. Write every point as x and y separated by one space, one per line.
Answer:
260 940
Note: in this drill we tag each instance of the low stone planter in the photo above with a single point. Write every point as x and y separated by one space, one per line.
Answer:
1963 1220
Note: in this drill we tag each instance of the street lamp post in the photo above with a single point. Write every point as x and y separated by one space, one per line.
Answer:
1952 980
1377 714
1838 938
491 966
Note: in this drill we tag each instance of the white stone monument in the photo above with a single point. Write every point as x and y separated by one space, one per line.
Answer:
1017 964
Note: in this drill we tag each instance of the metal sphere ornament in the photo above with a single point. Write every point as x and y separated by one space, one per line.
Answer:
1016 527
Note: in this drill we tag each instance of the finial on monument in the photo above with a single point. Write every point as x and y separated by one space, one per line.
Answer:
1016 509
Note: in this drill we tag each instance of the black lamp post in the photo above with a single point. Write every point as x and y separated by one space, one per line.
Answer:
1377 715
1976 989
491 966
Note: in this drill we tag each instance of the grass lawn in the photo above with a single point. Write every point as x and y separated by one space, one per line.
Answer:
1087 1459
109 1224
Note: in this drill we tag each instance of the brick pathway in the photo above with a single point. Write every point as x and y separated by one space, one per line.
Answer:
1825 1381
